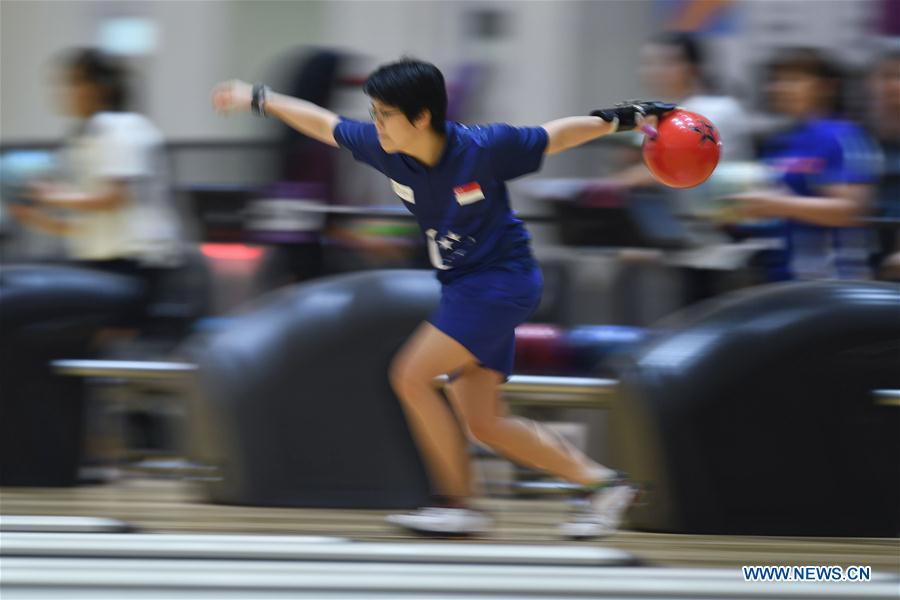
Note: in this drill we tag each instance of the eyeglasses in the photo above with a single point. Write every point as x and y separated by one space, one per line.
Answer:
382 115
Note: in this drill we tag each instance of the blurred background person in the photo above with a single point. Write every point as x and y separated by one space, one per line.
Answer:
824 166
110 197
884 127
673 68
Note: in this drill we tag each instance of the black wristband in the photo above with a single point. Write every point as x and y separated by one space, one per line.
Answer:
258 99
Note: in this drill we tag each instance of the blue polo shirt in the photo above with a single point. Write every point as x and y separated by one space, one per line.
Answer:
461 204
811 155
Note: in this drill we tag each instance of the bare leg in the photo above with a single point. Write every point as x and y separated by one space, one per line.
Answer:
427 354
475 394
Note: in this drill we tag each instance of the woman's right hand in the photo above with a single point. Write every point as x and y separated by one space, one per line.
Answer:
232 96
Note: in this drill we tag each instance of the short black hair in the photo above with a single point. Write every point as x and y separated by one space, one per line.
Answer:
808 61
687 43
691 50
412 86
812 62
101 70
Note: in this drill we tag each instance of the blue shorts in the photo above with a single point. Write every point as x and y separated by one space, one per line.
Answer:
481 311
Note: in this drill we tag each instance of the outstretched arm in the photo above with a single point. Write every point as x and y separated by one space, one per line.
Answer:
306 117
571 132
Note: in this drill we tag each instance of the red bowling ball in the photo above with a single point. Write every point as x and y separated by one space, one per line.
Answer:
685 151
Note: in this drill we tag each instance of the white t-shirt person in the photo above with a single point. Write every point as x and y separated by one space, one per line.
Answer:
730 120
124 148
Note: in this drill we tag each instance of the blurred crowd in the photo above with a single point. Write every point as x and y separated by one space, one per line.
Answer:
814 171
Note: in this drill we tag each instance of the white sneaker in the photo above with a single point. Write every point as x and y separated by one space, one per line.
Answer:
603 512
444 521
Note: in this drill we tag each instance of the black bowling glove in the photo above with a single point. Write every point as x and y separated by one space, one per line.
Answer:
625 113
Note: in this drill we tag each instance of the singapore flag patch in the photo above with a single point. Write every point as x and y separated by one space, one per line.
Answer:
468 193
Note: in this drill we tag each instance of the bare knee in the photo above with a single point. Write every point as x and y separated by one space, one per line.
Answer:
405 379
